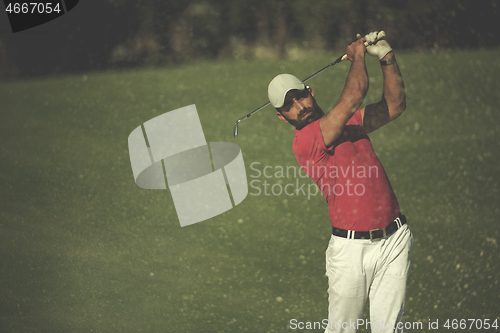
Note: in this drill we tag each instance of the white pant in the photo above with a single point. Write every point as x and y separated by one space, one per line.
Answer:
357 269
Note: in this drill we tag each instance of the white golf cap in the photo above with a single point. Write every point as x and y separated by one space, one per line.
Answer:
280 85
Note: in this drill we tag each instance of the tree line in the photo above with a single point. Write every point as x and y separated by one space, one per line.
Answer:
127 33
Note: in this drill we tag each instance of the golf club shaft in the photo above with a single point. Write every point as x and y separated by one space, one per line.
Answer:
339 59
263 106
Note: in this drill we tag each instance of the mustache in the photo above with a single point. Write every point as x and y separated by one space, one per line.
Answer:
308 109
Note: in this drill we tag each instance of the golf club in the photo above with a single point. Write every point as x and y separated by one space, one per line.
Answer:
380 36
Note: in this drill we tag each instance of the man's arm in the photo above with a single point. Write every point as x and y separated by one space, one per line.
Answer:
393 101
332 124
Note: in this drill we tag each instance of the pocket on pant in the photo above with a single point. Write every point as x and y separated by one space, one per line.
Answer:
344 271
346 285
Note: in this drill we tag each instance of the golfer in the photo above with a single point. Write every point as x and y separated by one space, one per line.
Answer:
368 254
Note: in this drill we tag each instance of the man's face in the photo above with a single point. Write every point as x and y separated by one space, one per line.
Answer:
300 108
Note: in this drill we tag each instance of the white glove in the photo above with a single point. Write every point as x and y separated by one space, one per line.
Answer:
379 49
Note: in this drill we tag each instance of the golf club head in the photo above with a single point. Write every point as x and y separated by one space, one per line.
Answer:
235 133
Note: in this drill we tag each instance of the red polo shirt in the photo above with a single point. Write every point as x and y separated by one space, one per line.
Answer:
350 176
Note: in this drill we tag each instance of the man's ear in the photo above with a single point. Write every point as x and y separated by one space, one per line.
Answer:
281 117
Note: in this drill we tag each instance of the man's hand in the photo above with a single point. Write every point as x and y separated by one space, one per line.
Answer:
393 101
379 49
357 48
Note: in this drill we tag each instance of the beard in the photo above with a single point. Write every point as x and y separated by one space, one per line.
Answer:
314 113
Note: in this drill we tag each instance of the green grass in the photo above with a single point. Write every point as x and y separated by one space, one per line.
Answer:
83 249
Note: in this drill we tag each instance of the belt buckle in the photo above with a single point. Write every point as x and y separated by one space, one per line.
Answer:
379 238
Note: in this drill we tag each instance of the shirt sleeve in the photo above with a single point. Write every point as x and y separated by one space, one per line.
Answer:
356 119
308 144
